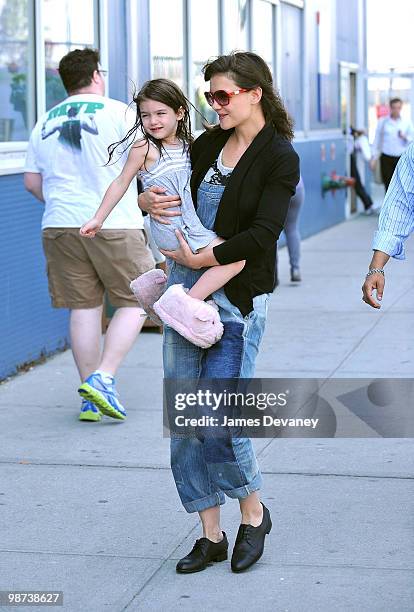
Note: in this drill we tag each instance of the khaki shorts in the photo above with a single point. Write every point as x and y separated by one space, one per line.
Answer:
80 269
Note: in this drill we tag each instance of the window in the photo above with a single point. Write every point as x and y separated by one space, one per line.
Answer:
291 81
68 25
29 81
263 29
16 80
236 25
166 39
204 45
324 83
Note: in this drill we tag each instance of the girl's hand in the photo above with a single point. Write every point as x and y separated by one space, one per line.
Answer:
183 255
90 228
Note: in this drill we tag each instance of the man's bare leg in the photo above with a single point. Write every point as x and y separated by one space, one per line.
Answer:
86 334
120 336
85 337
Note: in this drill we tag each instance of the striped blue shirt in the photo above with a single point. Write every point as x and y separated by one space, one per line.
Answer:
396 221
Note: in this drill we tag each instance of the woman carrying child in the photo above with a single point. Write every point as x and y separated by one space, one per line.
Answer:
244 173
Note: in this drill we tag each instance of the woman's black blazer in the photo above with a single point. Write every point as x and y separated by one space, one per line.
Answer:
253 208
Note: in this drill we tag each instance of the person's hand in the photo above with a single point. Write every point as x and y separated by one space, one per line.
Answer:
154 203
183 255
372 163
90 228
374 282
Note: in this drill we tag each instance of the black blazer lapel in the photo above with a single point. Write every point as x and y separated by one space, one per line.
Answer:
227 213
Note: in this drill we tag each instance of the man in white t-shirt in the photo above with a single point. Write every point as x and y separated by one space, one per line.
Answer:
66 169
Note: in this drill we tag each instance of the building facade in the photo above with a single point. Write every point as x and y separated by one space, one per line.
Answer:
315 49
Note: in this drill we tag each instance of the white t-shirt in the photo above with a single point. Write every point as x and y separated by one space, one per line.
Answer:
68 147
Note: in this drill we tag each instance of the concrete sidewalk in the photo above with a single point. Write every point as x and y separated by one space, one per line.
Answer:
91 509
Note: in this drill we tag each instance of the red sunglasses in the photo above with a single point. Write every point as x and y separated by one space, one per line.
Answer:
221 96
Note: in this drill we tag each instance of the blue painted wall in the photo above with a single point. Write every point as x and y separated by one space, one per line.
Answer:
321 211
29 326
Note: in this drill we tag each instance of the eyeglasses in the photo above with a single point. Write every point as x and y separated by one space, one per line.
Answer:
221 96
103 72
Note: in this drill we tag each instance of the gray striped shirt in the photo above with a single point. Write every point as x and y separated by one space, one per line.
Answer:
172 172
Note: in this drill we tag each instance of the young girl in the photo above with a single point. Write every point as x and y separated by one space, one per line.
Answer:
162 158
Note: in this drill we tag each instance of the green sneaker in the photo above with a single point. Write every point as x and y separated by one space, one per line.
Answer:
103 395
89 412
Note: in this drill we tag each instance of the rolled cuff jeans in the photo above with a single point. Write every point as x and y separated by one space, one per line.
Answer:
207 468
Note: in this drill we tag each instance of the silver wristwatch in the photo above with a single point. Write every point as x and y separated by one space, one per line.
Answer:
375 271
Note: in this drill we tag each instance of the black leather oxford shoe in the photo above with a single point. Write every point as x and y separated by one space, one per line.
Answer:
250 543
204 552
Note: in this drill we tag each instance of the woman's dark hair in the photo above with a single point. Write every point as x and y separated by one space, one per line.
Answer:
168 93
249 71
77 67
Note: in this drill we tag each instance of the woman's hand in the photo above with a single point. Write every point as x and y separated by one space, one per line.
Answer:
90 228
155 204
184 255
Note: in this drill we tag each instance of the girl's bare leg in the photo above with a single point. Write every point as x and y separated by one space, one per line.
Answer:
215 277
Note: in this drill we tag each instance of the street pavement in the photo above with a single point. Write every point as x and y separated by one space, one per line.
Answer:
90 509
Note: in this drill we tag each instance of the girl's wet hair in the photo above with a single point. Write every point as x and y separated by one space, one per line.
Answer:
168 93
248 70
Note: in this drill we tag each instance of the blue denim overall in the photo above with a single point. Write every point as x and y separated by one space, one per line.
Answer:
206 469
